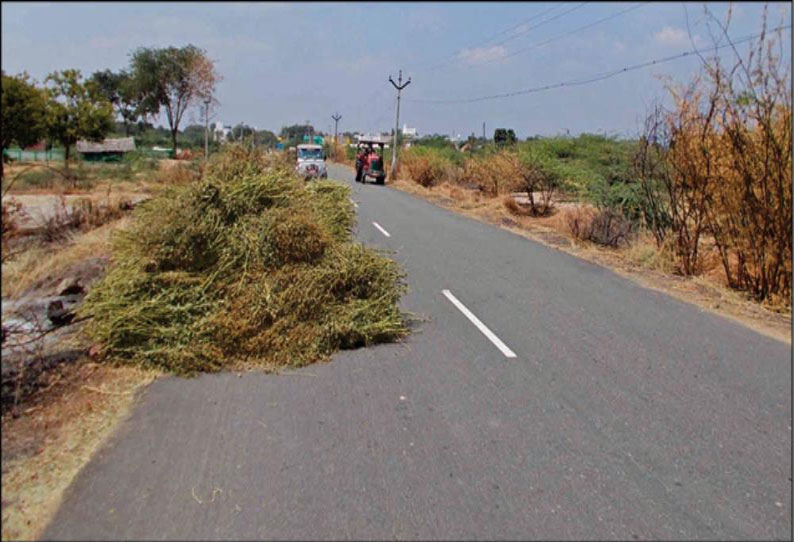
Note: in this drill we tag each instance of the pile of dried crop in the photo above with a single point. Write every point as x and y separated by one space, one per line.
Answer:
249 266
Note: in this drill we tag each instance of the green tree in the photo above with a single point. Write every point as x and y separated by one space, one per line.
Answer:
540 176
293 135
76 110
120 90
502 136
172 79
266 138
23 112
241 132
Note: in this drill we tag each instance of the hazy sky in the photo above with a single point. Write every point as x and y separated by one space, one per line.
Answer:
287 63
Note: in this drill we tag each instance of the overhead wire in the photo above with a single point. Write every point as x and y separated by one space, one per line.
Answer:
428 65
559 36
594 78
575 30
451 58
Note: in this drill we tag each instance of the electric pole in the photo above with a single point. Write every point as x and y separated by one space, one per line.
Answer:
336 118
399 86
206 127
483 132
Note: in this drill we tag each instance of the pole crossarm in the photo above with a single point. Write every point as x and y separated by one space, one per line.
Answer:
399 85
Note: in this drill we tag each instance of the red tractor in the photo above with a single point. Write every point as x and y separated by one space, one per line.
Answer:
369 162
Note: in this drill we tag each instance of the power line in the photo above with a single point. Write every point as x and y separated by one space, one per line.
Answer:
597 77
519 25
542 23
560 36
454 56
451 56
564 34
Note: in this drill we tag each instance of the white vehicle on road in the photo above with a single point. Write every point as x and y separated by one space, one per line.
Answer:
311 162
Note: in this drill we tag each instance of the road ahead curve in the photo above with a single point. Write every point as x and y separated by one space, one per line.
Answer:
624 414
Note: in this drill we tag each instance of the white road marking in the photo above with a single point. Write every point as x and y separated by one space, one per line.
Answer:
384 232
354 203
482 327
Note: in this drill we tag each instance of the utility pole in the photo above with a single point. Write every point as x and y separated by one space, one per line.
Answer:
483 132
399 86
207 127
336 118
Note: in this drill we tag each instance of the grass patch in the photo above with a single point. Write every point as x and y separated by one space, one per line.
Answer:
35 265
247 266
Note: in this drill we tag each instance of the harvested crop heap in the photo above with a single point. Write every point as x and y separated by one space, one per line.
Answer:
248 266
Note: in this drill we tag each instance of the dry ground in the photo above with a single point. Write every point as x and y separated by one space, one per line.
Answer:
48 443
48 437
641 262
52 433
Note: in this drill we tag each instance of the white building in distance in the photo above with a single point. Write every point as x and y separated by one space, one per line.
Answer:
220 132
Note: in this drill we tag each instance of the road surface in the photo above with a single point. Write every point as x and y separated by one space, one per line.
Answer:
541 397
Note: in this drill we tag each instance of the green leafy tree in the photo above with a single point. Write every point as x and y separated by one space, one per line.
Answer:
172 79
120 90
23 112
540 176
266 138
502 136
293 135
241 132
76 110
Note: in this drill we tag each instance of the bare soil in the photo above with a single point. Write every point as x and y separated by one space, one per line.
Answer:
47 443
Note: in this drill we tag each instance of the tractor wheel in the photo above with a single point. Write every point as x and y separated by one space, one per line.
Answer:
381 179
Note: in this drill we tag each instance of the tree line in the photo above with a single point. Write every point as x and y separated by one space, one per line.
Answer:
68 107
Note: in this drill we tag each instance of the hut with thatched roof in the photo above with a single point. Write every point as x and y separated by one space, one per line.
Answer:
109 150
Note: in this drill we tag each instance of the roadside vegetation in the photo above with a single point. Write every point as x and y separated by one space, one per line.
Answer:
247 266
238 265
705 192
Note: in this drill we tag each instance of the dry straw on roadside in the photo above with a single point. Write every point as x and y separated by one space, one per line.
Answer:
248 266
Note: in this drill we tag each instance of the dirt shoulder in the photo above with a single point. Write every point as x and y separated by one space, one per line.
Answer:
48 443
58 406
705 291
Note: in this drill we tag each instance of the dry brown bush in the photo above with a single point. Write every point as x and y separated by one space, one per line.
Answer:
513 208
720 163
494 175
84 214
178 174
12 213
422 169
601 226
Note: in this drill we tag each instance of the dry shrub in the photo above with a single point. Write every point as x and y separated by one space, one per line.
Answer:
84 214
493 175
720 163
513 208
645 253
13 212
248 265
601 226
422 169
456 193
178 174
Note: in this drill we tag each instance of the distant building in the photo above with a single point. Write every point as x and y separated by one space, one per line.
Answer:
385 138
107 150
408 133
220 132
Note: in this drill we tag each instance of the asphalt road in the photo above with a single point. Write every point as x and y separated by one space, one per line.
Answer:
625 414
